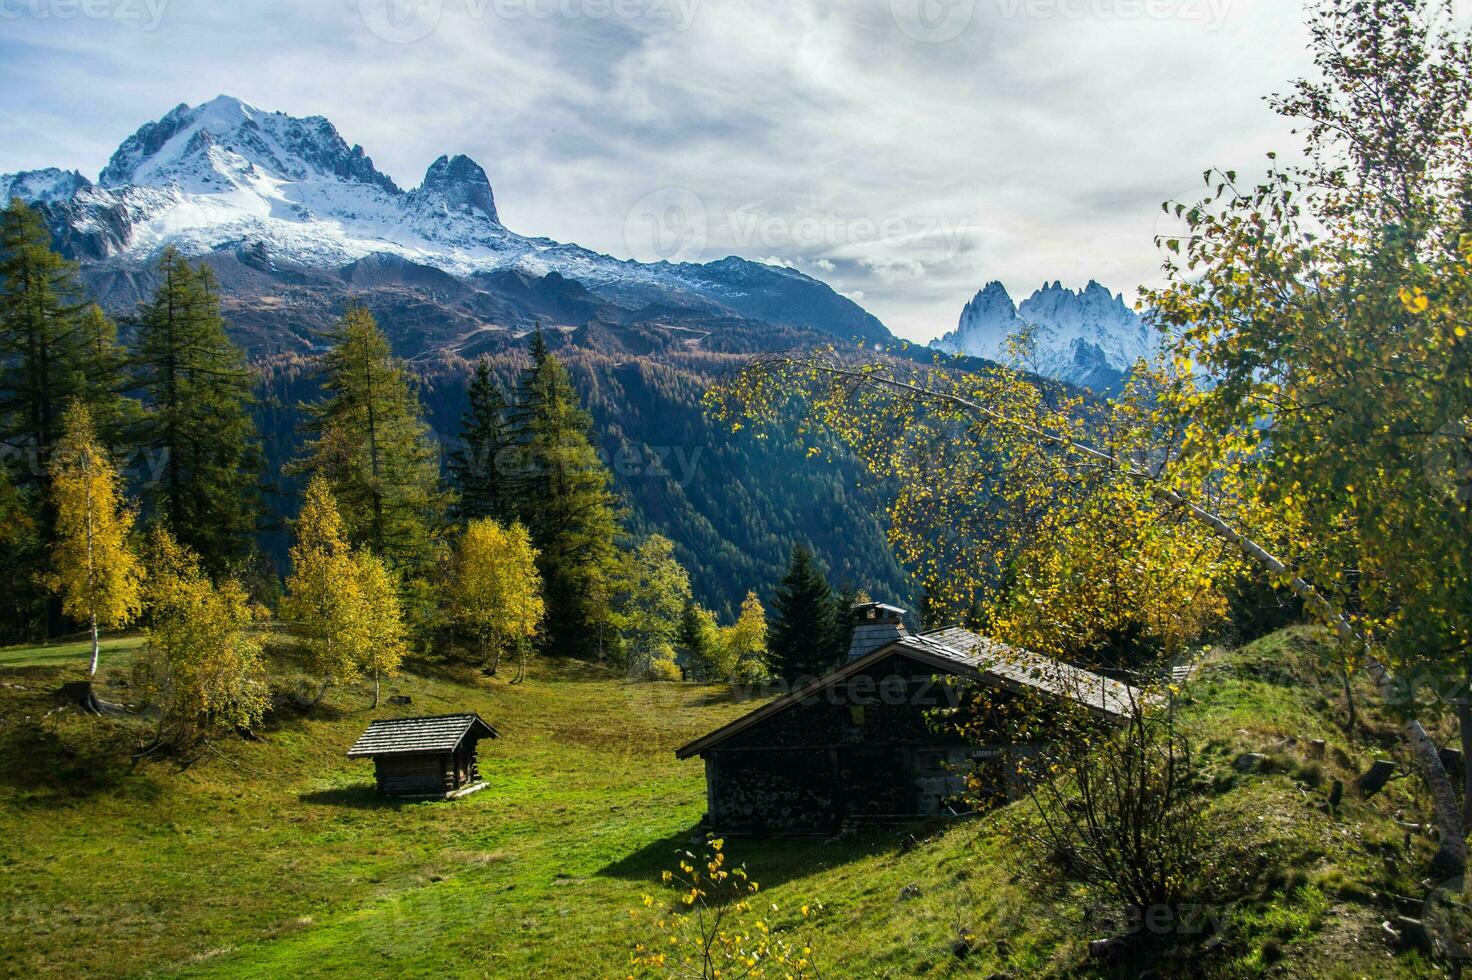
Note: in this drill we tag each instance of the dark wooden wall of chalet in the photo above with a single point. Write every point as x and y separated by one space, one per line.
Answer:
862 751
413 775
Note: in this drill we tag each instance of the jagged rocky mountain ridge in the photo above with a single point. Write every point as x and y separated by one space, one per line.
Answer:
1088 337
283 205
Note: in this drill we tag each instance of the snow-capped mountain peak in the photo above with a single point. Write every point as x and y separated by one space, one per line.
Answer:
1089 336
231 140
227 178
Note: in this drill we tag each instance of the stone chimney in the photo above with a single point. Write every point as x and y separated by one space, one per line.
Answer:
875 625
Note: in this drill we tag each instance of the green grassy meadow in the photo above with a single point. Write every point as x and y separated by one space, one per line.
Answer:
275 857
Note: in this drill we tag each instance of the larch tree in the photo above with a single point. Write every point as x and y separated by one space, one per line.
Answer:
55 348
562 495
22 600
479 468
97 576
495 591
369 441
197 393
801 623
654 605
201 667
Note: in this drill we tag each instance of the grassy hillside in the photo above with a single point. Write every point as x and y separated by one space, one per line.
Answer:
275 857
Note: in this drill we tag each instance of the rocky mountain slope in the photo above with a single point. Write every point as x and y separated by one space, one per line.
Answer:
285 209
1088 337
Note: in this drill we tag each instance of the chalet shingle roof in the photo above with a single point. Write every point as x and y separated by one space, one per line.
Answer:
439 733
965 654
1017 666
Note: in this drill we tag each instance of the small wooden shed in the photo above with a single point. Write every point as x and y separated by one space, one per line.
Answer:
428 756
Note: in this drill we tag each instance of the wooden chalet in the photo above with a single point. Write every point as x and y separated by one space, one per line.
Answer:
858 745
424 757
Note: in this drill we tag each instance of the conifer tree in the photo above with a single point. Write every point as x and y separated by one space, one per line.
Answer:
197 391
844 601
699 639
562 495
93 570
22 598
802 630
55 348
368 440
478 466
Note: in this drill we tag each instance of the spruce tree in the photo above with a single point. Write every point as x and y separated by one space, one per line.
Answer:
477 467
561 493
802 630
368 439
197 392
844 601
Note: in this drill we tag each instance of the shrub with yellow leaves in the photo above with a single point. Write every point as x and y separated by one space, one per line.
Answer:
712 926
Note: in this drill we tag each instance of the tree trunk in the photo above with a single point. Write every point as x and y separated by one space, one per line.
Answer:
520 663
375 683
496 663
92 671
1349 700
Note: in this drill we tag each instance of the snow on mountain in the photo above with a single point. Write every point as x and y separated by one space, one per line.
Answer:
225 175
1088 337
49 184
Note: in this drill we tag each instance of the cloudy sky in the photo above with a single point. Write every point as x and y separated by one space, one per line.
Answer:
905 151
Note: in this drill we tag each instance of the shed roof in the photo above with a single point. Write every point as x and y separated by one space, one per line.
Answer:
961 652
437 733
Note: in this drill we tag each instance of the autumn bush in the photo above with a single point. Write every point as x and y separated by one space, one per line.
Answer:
714 927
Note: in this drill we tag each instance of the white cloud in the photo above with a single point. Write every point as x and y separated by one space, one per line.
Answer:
1031 147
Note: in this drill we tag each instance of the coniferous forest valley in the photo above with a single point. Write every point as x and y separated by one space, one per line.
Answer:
755 589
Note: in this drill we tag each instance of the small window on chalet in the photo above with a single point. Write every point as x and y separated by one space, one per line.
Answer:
856 714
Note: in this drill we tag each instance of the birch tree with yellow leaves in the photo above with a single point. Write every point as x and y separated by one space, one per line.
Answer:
201 666
93 569
495 590
343 603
